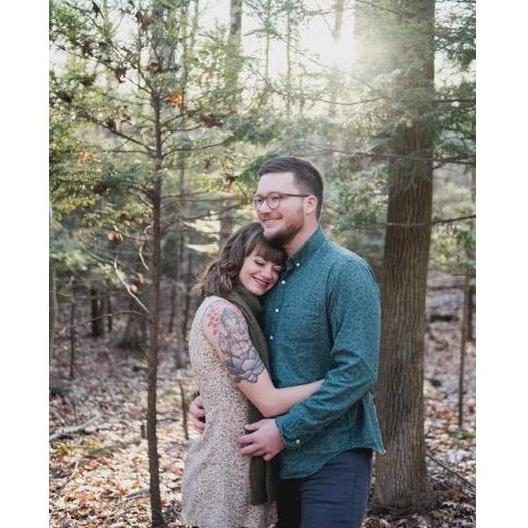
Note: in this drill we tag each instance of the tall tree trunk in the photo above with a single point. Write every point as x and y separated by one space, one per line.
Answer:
103 311
401 474
188 281
226 221
179 359
268 40
464 338
339 7
288 60
154 316
134 335
155 497
232 69
53 308
172 308
109 316
95 311
470 313
73 307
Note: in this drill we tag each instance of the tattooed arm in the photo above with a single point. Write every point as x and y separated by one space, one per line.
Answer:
226 329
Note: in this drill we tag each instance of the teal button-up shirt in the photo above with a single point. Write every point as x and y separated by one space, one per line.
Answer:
322 320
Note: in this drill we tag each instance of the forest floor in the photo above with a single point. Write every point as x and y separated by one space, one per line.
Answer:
99 474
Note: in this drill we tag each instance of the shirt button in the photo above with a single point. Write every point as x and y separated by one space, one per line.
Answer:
297 441
298 264
271 337
276 309
283 282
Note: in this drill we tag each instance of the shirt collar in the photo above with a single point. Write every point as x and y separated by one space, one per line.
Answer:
304 253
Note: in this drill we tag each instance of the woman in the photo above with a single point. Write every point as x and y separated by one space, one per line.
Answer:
220 487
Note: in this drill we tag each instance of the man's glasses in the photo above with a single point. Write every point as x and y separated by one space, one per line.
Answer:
273 199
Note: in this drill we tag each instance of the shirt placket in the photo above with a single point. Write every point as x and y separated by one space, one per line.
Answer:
276 306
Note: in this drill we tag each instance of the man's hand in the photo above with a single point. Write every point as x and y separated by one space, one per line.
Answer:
264 440
197 414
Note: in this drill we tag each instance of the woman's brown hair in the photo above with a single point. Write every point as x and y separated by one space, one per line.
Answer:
221 276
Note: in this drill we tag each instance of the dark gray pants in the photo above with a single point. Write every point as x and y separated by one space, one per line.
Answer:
334 497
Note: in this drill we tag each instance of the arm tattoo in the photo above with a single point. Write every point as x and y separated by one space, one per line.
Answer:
240 356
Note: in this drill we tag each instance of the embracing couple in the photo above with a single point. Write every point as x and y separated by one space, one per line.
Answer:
285 350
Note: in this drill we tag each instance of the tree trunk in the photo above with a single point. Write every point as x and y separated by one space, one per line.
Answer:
179 352
268 41
470 313
53 308
226 221
172 308
155 497
464 337
401 475
95 311
109 317
232 68
103 311
188 281
154 316
135 335
288 60
73 307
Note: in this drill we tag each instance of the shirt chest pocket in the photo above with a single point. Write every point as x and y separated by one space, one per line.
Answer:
304 319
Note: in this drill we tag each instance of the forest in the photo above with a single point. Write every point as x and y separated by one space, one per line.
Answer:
160 113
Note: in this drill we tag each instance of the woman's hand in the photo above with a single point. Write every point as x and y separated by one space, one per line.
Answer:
197 411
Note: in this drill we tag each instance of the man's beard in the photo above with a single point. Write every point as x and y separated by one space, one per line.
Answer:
284 236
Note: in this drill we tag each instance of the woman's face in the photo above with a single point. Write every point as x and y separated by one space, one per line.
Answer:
257 274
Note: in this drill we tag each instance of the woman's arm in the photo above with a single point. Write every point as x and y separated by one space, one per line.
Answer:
226 329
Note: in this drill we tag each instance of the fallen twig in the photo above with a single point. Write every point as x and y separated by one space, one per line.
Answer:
74 428
447 468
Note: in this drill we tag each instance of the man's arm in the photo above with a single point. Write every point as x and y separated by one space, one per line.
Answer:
355 317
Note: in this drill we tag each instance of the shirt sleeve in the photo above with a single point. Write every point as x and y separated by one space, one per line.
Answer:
354 315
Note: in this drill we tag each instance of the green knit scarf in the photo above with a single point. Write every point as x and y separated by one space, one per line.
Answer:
262 474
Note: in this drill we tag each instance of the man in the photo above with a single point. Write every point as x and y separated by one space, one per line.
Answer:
322 320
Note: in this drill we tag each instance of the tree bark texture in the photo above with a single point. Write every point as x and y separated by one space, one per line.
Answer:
172 308
103 311
53 308
226 221
179 352
134 337
464 338
109 316
96 313
401 474
155 497
154 320
188 286
73 308
232 70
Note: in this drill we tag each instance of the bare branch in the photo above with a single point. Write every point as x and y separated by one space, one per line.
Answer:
63 330
433 222
470 484
130 292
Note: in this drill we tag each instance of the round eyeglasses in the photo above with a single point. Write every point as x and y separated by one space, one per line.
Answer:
273 199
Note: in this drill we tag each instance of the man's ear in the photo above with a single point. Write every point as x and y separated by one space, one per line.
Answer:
311 205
